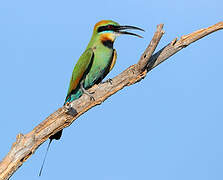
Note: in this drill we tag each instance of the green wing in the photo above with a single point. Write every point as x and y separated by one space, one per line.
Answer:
80 70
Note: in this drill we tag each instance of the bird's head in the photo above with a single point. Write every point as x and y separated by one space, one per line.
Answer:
108 30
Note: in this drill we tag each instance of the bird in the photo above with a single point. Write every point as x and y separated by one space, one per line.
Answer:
95 63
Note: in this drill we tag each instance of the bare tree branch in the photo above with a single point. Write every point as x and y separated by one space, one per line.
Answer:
26 145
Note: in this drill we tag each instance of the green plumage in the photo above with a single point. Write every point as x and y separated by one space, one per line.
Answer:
93 65
90 68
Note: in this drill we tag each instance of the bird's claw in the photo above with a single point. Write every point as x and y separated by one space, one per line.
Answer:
91 92
92 98
90 95
109 81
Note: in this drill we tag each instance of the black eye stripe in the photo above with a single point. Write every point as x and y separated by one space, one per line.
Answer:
106 28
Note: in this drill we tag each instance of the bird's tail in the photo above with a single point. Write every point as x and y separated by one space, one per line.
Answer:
41 169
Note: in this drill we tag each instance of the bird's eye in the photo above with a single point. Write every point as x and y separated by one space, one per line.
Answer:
110 27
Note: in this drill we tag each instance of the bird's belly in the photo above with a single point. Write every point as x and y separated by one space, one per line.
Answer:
99 66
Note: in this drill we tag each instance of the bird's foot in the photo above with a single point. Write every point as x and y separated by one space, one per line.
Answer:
87 93
108 81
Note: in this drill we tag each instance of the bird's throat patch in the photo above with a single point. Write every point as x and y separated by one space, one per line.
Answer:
108 44
107 39
107 36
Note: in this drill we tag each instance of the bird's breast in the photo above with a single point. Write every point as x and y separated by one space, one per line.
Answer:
101 61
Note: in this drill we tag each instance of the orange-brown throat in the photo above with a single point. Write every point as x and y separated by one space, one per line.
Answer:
107 39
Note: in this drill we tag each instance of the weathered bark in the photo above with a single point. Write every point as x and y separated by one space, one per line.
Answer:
26 145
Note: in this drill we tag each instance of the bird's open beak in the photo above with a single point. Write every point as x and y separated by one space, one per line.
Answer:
119 30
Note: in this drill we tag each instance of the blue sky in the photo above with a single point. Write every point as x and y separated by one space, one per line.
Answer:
168 126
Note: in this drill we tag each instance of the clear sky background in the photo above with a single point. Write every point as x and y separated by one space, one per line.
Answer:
167 127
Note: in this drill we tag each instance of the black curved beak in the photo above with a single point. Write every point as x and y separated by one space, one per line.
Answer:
119 29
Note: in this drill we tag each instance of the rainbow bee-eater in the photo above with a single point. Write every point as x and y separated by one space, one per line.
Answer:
95 63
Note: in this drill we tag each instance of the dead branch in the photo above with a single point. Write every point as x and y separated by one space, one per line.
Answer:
27 144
